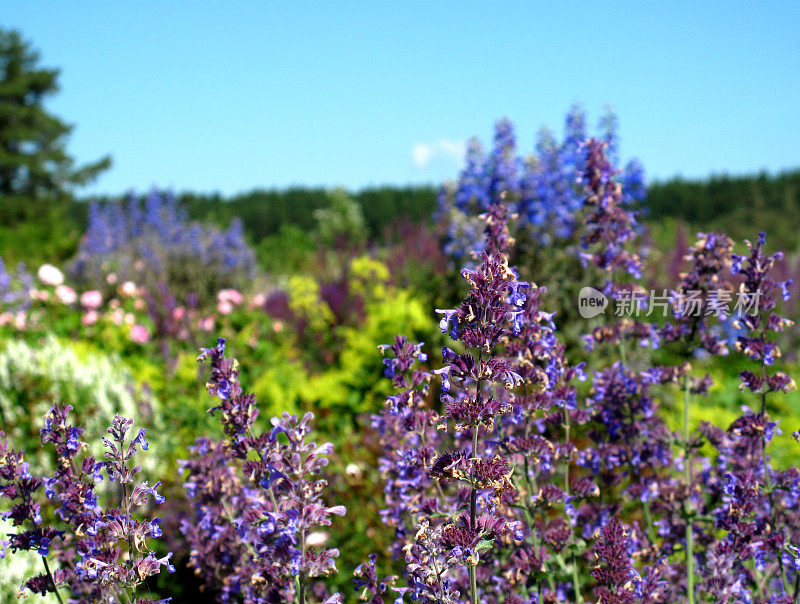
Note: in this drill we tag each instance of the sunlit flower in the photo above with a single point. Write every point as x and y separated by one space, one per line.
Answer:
225 307
65 294
90 317
91 299
50 275
230 295
139 334
128 288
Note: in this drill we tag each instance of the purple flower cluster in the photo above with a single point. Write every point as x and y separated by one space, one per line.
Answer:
15 288
151 241
256 499
609 225
512 474
523 487
101 554
761 289
540 188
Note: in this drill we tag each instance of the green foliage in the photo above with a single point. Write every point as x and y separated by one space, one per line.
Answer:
305 302
332 369
265 212
342 221
287 252
354 385
724 404
34 378
740 206
17 568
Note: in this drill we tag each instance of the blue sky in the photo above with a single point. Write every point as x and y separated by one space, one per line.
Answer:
213 96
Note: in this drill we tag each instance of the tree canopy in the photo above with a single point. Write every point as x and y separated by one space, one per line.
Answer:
34 161
37 174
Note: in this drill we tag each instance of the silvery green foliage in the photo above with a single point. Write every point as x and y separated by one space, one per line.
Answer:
343 220
34 378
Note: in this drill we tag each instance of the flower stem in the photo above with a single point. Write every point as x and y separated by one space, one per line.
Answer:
576 582
52 580
473 505
687 504
473 496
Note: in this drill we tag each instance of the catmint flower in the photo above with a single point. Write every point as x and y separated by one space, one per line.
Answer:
257 499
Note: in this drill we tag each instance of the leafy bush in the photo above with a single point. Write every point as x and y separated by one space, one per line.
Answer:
34 378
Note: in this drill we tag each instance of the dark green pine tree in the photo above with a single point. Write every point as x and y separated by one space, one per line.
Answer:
37 174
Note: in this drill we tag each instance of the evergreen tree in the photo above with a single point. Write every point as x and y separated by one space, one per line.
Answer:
37 174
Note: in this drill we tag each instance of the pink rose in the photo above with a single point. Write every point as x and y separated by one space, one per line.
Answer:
139 334
230 295
128 289
258 301
225 307
66 295
90 318
91 299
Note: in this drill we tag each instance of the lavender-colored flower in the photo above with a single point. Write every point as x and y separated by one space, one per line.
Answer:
609 225
256 498
152 242
88 552
618 582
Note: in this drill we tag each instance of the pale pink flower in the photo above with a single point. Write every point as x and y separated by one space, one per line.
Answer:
277 326
20 320
179 313
90 318
128 289
224 307
257 301
129 318
111 278
5 318
113 303
66 295
139 334
206 324
139 304
50 275
316 539
230 295
91 299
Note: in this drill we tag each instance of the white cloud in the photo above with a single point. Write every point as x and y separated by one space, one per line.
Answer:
423 154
